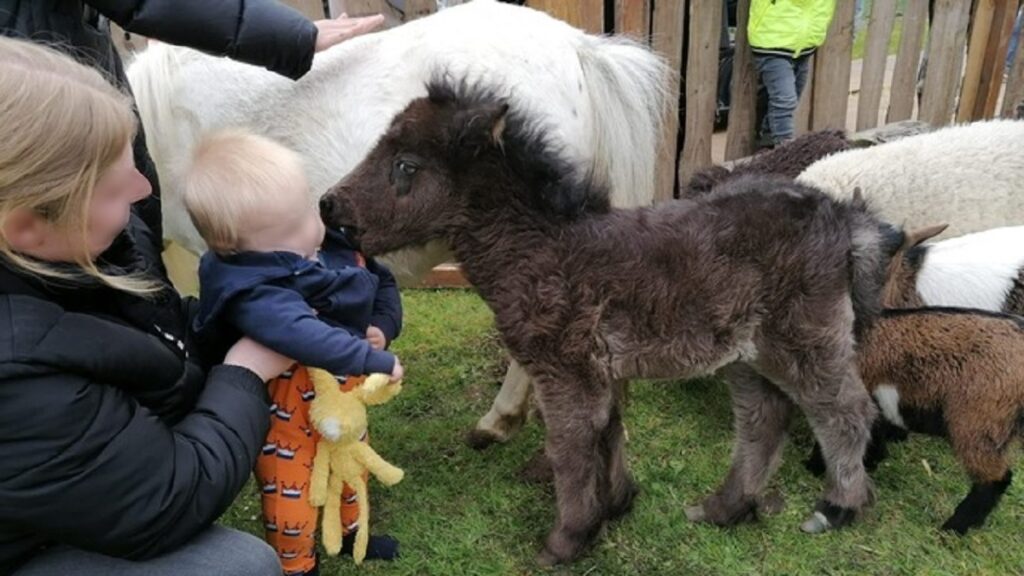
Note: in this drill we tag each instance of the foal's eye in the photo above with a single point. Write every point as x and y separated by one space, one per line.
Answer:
402 171
407 168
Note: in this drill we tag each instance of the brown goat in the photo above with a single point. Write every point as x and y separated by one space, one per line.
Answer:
767 277
955 373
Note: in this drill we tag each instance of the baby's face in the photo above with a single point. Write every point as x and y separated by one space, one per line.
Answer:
292 225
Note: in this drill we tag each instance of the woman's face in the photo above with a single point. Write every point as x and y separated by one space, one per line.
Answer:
116 190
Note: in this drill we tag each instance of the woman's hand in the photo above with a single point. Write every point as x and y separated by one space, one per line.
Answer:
337 30
250 354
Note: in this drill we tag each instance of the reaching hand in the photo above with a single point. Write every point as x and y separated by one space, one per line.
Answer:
376 338
337 30
397 373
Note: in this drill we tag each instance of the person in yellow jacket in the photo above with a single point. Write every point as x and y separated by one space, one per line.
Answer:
783 35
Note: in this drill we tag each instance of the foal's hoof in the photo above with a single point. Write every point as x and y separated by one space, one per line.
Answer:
696 513
828 516
958 526
478 439
546 559
624 505
771 503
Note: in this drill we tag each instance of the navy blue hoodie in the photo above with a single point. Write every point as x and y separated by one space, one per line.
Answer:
316 313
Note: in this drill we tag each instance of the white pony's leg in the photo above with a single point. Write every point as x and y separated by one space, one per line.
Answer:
507 413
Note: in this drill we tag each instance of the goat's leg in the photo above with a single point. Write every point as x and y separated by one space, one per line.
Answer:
882 432
576 415
761 414
841 414
985 462
507 413
621 488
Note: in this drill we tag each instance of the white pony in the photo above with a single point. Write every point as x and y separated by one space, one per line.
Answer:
604 99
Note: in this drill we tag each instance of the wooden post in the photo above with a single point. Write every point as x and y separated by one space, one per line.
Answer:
667 38
904 76
633 18
585 14
739 140
995 59
312 9
876 54
832 71
1014 87
802 116
945 57
701 86
981 27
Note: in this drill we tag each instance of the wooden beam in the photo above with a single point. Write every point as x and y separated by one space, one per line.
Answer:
876 54
633 18
739 139
904 76
945 58
667 38
802 116
995 59
1014 87
587 15
832 71
312 9
981 27
701 86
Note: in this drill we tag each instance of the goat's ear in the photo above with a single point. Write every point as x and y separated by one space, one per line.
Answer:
481 126
916 237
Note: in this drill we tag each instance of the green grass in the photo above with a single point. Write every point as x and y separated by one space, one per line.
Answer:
464 512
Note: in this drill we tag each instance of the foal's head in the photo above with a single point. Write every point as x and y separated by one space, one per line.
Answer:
446 160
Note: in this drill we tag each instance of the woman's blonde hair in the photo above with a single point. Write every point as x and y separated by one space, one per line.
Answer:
238 180
63 126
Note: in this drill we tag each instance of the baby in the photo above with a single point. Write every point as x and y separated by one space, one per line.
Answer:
276 275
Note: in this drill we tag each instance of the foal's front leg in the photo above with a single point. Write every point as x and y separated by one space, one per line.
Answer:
507 413
761 415
576 415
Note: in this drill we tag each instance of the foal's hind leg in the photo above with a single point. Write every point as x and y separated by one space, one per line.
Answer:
621 488
507 413
840 412
761 415
576 415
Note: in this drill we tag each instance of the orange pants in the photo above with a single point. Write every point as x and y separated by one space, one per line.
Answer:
283 470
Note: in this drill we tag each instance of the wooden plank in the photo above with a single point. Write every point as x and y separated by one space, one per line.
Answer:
981 26
739 139
667 28
419 8
1014 87
312 9
945 58
876 53
831 93
587 15
995 58
701 86
447 275
904 76
633 18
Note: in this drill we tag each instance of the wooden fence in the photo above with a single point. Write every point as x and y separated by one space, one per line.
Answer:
964 45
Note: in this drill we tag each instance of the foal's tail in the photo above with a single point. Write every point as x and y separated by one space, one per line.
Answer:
627 85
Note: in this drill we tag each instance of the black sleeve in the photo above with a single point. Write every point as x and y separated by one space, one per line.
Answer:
84 465
260 32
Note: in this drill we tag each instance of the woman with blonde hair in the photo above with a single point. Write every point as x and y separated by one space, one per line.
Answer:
123 437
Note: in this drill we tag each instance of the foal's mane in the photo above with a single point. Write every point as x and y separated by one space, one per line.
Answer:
556 185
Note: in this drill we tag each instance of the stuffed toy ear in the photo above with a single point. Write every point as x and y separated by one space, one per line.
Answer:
377 389
480 126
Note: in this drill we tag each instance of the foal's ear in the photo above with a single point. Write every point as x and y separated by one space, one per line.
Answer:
480 126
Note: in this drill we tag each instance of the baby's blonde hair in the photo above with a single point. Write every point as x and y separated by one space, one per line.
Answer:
63 126
236 180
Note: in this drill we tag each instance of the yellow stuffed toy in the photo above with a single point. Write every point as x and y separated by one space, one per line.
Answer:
341 458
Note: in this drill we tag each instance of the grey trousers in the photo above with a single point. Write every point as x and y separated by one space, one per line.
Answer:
784 79
218 551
